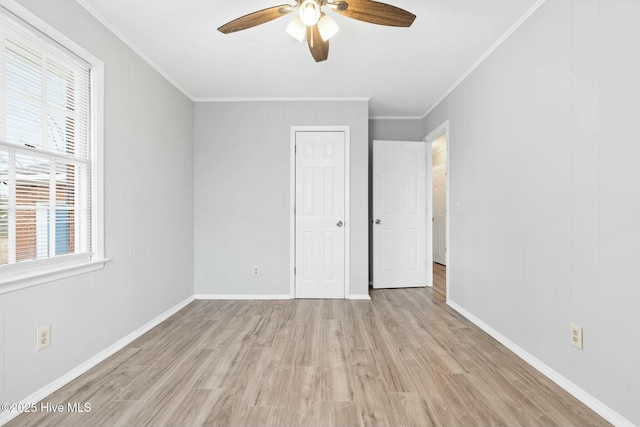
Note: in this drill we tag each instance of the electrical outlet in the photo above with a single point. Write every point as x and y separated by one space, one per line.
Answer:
256 271
576 336
43 337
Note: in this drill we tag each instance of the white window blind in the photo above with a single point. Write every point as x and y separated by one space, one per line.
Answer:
45 159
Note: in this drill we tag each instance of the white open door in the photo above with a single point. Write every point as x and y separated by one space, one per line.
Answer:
439 213
399 214
320 222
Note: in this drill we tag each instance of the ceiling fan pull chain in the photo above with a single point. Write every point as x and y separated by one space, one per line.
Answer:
311 37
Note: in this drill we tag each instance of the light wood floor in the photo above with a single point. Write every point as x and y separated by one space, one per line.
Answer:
403 359
440 280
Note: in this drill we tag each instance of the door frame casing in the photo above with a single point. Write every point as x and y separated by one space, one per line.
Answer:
347 203
442 129
429 202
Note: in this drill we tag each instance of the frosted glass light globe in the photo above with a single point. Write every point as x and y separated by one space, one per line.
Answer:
309 12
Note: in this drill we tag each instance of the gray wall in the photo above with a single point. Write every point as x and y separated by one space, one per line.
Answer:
544 164
148 221
396 129
242 180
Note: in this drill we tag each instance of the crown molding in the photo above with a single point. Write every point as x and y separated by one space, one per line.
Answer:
486 54
463 77
133 47
284 99
396 117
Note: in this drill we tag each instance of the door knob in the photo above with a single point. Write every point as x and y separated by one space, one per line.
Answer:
339 224
378 221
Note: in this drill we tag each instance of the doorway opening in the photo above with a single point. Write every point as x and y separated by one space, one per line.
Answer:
438 209
439 218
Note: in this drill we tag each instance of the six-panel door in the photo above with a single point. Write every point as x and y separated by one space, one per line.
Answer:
320 215
399 213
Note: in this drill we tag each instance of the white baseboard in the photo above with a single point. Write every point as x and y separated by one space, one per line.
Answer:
359 296
592 402
241 297
263 297
45 391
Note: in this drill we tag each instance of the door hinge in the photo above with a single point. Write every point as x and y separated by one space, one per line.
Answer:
295 149
294 271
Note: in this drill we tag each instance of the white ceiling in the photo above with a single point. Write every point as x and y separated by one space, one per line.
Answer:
404 71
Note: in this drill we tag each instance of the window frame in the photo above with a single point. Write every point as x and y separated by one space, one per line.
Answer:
31 273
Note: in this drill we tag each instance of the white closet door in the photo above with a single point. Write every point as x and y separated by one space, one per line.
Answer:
320 215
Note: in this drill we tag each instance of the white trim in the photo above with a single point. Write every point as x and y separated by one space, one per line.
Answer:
347 203
366 297
36 277
429 201
347 210
486 54
97 164
282 98
27 16
442 129
583 396
396 117
74 373
292 215
241 297
403 286
132 46
55 272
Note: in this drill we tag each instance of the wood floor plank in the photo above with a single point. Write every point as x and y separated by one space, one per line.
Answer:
114 413
231 404
272 387
514 400
263 416
219 368
481 406
337 384
354 334
340 414
159 405
307 391
308 332
402 359
440 280
437 388
370 393
194 407
412 410
386 352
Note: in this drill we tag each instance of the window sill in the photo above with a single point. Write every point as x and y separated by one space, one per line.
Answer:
27 279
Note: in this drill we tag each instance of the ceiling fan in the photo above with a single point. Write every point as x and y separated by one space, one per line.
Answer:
319 27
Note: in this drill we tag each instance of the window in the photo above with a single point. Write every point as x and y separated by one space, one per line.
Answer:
47 163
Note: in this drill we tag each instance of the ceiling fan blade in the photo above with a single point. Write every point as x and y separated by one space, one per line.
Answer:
256 18
318 47
377 13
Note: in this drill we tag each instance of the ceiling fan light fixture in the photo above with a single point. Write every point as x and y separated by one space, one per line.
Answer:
327 27
297 29
309 12
318 28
